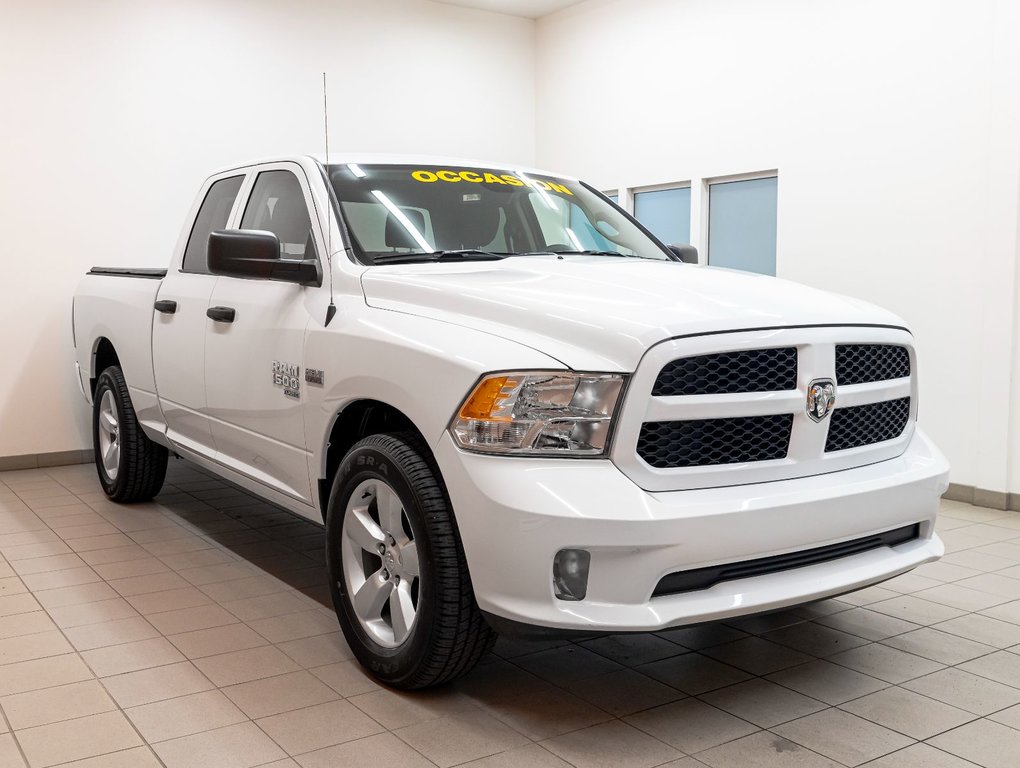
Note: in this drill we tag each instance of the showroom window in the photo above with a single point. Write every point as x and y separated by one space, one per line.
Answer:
213 215
666 213
742 224
277 205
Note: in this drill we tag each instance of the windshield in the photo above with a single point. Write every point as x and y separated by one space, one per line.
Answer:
406 213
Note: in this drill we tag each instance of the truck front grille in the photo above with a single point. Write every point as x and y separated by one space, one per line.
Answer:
751 370
863 363
867 424
708 442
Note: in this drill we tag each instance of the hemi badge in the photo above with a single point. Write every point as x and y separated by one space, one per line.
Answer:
315 376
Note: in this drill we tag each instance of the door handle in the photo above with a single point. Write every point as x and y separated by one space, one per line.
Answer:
166 306
221 314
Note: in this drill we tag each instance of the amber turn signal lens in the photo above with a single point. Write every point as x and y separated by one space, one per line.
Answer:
483 400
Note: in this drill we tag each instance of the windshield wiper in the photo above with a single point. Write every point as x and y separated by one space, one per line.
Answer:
465 254
575 253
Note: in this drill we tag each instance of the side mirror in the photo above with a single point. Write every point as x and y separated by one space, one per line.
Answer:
688 254
255 254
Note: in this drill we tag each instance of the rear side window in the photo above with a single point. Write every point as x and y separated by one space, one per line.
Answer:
277 205
212 215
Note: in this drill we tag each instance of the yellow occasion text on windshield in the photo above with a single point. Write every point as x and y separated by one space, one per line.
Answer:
480 177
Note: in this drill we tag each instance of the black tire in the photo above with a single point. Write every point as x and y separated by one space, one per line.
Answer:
449 635
141 468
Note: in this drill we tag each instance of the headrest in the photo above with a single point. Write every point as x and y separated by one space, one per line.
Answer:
397 235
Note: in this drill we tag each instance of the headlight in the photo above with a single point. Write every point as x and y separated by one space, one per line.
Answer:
535 413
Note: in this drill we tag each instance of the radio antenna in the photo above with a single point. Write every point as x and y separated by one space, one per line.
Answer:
331 309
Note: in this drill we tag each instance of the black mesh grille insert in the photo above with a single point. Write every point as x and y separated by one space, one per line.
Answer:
861 363
867 424
752 370
703 578
703 443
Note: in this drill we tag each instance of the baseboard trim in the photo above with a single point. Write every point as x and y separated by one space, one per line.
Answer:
43 460
981 497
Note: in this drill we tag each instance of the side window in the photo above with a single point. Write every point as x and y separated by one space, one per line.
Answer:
277 205
212 215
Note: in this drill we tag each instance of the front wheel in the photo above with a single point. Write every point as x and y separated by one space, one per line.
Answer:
131 467
397 571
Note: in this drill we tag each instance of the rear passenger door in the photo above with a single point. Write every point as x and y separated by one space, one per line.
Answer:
179 323
253 365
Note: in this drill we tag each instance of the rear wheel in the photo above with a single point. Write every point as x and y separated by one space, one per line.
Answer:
398 576
131 467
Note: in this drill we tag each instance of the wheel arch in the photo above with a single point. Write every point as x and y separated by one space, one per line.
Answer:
104 354
356 420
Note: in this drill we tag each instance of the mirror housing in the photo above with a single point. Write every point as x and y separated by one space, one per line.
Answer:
255 254
687 253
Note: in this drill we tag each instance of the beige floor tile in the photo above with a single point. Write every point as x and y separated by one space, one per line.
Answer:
827 682
82 526
348 678
920 756
209 642
295 626
543 714
703 636
764 750
757 655
908 713
47 564
51 705
234 746
846 738
191 619
885 663
130 657
213 574
185 715
145 585
26 624
55 579
866 623
983 629
762 703
92 613
242 589
460 738
624 692
631 650
149 685
283 693
318 651
966 691
815 639
12 585
84 737
537 756
938 646
691 725
1010 717
138 757
319 726
114 555
10 755
83 593
915 610
15 604
693 673
125 569
567 663
611 745
28 647
244 666
383 749
43 673
1002 666
170 600
266 606
984 742
106 633
33 551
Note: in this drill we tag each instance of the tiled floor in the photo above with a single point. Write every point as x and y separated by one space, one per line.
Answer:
195 632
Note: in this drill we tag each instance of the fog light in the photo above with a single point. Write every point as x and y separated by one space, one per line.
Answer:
570 574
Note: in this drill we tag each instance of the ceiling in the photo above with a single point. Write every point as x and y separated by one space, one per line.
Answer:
531 9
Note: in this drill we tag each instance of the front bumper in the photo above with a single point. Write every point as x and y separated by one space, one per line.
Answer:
514 514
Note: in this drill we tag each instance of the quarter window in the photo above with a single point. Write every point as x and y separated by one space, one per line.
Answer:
212 215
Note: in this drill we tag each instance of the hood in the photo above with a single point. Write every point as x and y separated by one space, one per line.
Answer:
602 313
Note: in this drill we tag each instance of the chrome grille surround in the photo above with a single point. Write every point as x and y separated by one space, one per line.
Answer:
806 454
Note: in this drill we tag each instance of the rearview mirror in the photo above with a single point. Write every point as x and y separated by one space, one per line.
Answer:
255 254
688 254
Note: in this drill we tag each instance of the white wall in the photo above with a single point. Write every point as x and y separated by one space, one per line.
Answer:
895 127
113 112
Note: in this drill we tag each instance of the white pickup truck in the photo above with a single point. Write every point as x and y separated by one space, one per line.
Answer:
512 407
